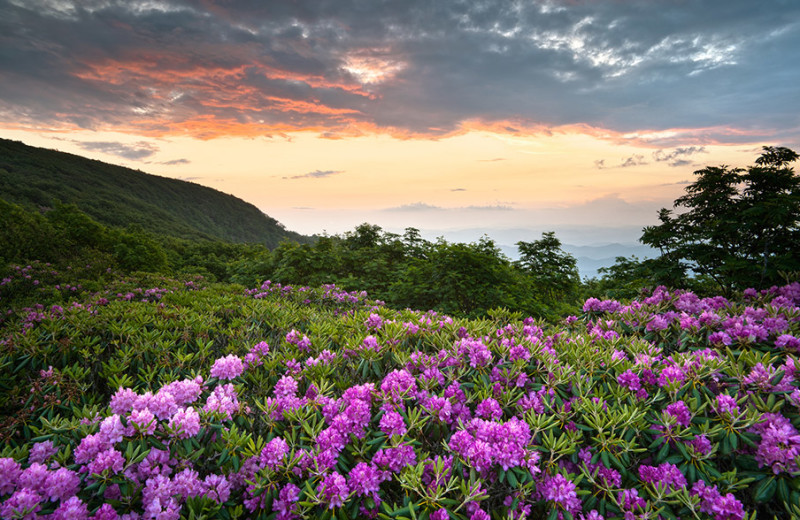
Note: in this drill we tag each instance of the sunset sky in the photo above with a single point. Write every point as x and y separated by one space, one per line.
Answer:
582 117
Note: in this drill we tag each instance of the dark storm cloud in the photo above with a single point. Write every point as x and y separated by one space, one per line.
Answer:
342 67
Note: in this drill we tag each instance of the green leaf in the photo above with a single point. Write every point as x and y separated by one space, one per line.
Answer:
765 489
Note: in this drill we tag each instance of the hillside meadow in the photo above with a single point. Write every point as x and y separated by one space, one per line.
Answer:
146 397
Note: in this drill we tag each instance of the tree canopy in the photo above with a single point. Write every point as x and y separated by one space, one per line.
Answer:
739 228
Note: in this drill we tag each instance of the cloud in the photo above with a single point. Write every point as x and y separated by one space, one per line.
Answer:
492 160
422 206
677 157
633 160
175 162
680 162
415 206
134 152
458 189
316 174
211 69
495 207
195 178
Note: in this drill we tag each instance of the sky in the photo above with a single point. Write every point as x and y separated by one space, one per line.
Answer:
457 117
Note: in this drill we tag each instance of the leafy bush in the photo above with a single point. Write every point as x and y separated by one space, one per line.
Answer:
158 398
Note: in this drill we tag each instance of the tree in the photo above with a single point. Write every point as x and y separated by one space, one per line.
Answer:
740 228
551 268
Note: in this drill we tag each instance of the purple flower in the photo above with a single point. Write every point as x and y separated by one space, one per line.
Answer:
701 444
143 421
439 408
286 387
331 439
10 471
374 321
396 458
354 419
286 503
399 384
561 492
479 355
186 391
34 477
680 412
719 338
157 495
657 322
185 423
713 503
365 479
41 452
440 514
106 512
187 484
111 430
24 504
333 489
629 380
109 460
664 476
392 423
273 453
629 499
71 509
217 488
780 444
61 484
261 349
489 409
163 404
671 375
228 367
726 405
293 337
223 400
788 342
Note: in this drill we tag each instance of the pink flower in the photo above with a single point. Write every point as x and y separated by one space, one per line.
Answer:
227 368
333 490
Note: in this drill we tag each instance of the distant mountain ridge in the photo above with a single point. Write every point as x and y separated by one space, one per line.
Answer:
592 258
118 196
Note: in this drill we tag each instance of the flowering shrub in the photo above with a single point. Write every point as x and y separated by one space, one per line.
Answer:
287 402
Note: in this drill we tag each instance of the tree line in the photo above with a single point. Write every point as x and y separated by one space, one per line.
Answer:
734 228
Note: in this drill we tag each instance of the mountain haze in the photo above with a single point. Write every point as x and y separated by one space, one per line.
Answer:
116 196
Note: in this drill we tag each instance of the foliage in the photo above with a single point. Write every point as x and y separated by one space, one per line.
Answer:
466 280
549 265
118 197
740 228
169 397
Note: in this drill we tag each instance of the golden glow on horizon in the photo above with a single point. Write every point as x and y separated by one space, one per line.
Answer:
476 168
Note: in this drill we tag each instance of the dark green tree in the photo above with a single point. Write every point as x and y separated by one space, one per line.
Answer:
739 228
551 268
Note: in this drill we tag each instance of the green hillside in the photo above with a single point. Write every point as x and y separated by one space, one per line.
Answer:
117 196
